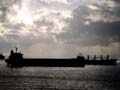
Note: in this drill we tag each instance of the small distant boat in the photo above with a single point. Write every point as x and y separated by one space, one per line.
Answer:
1 56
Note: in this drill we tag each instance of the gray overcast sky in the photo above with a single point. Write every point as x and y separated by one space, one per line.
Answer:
60 28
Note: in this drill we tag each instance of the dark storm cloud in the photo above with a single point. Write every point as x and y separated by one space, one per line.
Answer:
109 13
104 29
117 1
106 32
82 31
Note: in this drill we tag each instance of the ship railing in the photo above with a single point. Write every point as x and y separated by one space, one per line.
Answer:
98 57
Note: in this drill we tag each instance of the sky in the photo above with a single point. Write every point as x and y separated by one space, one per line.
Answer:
60 28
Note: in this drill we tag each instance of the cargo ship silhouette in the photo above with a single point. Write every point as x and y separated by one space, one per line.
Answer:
16 60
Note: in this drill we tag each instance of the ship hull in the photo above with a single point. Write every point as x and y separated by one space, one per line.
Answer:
101 62
44 62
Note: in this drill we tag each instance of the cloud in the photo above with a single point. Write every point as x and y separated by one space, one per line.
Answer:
94 31
99 33
64 24
104 10
38 19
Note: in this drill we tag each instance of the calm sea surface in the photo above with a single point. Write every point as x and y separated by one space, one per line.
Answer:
52 78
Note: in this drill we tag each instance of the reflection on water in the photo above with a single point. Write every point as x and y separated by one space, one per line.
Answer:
51 78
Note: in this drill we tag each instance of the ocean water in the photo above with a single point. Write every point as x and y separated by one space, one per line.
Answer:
90 77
